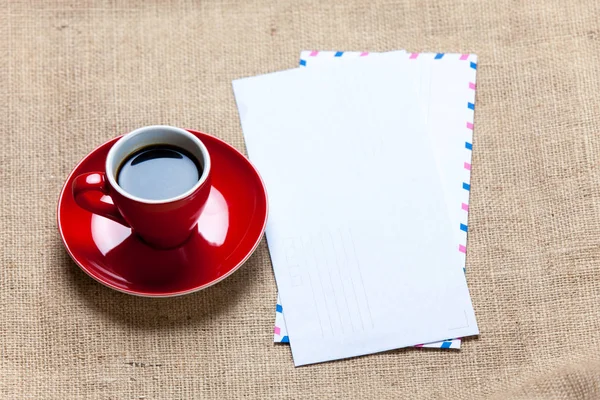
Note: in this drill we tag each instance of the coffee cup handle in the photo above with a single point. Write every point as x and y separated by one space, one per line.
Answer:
95 181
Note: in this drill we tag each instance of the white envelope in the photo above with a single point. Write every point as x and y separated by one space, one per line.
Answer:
358 224
446 94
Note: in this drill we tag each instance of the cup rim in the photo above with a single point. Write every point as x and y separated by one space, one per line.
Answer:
110 173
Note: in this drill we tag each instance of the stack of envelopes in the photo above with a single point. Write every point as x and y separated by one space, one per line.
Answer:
366 158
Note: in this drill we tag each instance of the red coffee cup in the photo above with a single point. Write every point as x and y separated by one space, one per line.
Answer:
160 223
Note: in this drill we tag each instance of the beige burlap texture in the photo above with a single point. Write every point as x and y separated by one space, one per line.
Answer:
75 74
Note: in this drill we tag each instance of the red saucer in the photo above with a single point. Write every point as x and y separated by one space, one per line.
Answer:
229 230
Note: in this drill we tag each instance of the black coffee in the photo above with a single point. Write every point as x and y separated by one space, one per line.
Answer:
159 172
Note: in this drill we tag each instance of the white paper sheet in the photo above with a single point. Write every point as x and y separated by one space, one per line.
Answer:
358 225
450 80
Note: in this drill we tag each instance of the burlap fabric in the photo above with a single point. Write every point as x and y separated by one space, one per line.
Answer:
74 74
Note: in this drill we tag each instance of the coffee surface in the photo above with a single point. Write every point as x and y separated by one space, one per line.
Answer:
159 172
